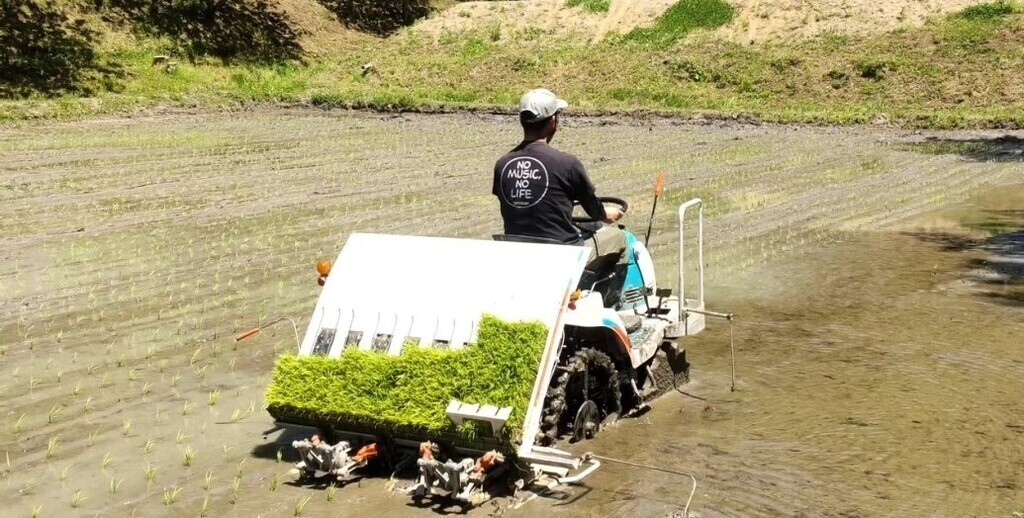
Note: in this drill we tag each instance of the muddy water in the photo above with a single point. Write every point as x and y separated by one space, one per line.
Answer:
879 377
876 375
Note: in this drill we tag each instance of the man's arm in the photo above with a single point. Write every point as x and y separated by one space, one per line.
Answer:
593 207
585 193
496 182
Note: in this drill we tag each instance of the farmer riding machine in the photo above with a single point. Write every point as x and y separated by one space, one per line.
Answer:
609 345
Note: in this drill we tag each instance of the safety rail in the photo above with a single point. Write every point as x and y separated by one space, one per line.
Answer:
700 254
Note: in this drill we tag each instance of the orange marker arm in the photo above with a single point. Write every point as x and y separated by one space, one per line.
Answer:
248 333
659 186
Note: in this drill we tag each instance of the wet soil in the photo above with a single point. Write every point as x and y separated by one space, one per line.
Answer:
879 309
875 378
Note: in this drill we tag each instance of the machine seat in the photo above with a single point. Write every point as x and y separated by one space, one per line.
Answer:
526 239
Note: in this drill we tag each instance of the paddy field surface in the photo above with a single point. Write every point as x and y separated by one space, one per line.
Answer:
876 275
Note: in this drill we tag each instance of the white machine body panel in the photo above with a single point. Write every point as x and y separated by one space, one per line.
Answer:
385 290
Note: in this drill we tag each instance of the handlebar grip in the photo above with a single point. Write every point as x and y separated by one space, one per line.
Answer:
247 334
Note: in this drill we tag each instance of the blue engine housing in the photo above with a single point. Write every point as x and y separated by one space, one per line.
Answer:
634 292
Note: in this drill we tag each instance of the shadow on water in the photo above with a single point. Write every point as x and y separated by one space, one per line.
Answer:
1007 264
250 31
946 241
443 507
43 51
1006 148
282 443
999 272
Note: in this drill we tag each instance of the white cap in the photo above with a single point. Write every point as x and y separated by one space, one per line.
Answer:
541 103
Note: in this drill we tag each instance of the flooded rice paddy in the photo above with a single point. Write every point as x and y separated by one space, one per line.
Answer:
876 275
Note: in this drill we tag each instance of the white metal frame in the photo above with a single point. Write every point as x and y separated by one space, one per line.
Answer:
700 254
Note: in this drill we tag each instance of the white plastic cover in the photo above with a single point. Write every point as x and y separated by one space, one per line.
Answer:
384 290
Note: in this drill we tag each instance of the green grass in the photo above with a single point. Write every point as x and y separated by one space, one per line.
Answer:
681 19
970 29
593 6
988 12
409 392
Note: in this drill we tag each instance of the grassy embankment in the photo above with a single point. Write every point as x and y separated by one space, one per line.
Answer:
960 70
593 6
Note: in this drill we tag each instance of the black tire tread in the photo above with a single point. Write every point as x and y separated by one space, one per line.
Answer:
556 405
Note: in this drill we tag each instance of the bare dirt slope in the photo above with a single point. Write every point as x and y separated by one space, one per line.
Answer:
762 20
756 20
550 17
321 32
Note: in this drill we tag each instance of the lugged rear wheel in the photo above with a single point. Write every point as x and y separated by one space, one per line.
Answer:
583 393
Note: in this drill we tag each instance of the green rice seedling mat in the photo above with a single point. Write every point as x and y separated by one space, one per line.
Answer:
408 394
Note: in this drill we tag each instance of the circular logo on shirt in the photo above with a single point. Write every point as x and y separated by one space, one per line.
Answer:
524 182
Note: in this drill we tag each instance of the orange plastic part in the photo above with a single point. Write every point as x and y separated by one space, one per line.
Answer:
248 333
573 298
323 268
427 450
485 463
366 453
659 186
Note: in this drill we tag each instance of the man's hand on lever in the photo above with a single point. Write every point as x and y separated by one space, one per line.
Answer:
613 214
